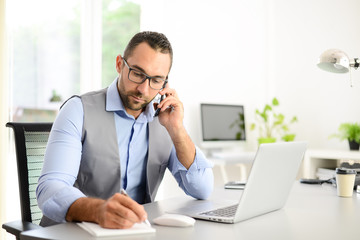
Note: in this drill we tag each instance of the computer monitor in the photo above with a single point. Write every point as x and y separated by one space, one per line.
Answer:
223 126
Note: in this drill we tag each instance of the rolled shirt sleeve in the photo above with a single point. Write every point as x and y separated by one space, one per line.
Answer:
198 180
55 192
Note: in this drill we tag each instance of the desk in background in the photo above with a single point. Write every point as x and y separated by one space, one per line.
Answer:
221 159
311 212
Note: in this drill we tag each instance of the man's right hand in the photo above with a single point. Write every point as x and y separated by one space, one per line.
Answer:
119 211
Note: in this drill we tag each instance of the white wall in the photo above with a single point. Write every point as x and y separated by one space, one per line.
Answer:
246 52
300 32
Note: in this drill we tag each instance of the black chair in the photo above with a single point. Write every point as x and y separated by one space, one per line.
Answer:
30 145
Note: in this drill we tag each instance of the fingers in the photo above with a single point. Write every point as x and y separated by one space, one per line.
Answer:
168 91
171 99
127 208
121 212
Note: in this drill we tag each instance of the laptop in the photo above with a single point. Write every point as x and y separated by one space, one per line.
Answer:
272 175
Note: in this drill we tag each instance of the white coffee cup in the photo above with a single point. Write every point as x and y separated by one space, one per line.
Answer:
345 179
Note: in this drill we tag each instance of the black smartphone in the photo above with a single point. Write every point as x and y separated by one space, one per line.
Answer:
157 112
314 181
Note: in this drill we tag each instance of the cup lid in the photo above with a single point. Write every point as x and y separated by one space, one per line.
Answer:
345 171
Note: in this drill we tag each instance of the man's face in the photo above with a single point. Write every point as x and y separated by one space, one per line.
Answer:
149 61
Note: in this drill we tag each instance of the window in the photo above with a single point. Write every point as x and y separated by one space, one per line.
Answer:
45 56
54 50
120 21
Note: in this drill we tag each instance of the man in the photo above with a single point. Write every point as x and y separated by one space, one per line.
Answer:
107 140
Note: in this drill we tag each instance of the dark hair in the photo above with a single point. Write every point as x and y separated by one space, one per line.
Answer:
156 41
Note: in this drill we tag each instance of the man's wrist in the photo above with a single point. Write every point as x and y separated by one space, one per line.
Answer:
177 133
85 209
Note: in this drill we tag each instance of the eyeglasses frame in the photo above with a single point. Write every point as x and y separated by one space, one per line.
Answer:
146 77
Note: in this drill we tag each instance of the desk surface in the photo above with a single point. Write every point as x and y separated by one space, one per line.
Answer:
311 212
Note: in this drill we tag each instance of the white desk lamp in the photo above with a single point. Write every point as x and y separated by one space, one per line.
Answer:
336 61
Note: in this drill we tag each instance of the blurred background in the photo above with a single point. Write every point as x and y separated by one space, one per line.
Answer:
225 52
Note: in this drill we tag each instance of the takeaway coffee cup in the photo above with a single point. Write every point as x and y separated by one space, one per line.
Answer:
345 179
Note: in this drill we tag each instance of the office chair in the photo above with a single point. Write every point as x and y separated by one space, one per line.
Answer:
30 145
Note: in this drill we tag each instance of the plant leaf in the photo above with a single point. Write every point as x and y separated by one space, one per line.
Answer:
275 102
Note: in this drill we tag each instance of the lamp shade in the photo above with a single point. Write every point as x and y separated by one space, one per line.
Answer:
334 60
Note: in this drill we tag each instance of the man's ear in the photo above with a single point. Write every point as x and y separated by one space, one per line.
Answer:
119 63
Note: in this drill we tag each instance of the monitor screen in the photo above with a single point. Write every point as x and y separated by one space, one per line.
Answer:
222 122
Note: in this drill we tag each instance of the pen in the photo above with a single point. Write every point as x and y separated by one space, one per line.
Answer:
123 192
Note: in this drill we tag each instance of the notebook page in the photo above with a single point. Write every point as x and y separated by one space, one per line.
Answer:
95 229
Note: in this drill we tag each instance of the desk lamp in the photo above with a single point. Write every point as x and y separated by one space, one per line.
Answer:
336 61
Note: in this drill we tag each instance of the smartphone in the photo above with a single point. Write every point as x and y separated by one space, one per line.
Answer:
313 181
157 112
235 185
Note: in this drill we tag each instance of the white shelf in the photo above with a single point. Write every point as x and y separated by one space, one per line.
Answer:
313 156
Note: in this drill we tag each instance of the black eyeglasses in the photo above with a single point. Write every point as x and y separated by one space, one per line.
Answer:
136 76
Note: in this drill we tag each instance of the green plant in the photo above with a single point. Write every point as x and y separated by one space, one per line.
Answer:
55 97
240 123
348 131
272 124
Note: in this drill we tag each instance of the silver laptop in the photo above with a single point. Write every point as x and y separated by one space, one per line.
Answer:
272 175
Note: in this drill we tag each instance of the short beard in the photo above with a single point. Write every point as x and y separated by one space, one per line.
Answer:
125 97
127 104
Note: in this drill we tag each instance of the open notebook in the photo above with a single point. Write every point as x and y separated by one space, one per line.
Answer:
95 229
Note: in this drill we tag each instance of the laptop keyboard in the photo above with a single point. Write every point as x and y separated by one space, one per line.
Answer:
222 212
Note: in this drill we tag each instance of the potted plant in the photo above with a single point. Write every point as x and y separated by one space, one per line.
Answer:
240 123
272 124
350 132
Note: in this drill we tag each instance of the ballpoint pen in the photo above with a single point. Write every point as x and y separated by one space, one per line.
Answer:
123 192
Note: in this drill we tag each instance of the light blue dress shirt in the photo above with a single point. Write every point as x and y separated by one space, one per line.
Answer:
55 191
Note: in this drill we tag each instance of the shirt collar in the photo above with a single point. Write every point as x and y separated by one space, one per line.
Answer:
115 104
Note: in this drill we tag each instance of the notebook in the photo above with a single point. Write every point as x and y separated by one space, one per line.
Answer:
271 177
97 231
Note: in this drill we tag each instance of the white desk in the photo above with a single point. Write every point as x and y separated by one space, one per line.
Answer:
222 159
314 156
311 212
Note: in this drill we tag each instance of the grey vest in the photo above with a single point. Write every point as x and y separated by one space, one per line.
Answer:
99 174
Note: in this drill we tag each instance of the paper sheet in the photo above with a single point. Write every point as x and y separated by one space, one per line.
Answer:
95 229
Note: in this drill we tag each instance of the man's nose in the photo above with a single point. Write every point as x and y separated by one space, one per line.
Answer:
144 87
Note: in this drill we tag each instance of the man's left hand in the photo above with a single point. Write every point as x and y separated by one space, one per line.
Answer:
172 110
171 117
